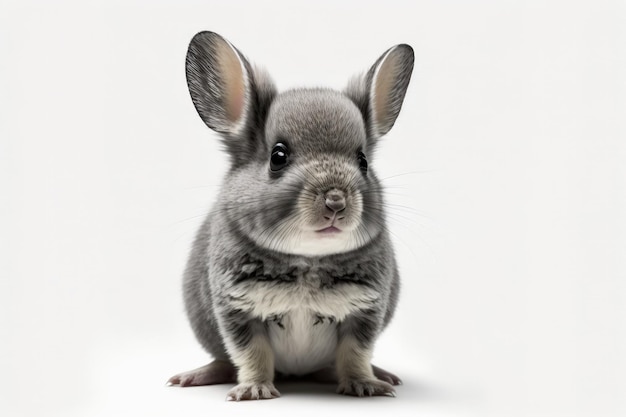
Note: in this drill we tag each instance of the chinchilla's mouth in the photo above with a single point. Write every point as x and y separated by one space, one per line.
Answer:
329 230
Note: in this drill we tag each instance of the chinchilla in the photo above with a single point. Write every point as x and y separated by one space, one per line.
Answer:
293 272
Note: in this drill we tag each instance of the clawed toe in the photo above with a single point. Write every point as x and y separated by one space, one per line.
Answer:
253 391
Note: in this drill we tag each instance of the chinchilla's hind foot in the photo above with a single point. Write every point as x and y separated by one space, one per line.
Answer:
216 372
328 375
386 376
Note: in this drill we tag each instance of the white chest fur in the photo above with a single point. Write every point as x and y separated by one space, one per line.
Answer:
302 342
304 337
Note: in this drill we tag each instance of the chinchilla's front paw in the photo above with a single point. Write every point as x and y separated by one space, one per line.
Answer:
253 391
366 388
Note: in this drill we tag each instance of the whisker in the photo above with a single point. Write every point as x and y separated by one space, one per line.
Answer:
424 171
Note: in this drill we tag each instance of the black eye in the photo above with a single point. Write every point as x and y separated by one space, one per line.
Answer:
362 162
279 158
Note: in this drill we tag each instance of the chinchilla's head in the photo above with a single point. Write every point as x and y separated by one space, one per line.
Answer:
301 179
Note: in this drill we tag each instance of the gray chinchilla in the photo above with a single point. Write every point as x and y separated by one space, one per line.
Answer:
293 272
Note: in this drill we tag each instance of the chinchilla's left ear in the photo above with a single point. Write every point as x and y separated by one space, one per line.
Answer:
230 96
380 92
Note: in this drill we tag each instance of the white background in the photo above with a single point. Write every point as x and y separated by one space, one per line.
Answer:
506 175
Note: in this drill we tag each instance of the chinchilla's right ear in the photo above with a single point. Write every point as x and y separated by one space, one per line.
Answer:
380 92
230 96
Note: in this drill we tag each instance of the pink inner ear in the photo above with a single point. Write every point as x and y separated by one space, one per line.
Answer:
235 105
382 92
234 83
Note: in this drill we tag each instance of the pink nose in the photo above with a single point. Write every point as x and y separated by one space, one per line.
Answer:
335 200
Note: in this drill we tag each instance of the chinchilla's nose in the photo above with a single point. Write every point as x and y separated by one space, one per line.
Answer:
335 200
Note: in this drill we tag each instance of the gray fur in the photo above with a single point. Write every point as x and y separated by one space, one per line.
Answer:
254 264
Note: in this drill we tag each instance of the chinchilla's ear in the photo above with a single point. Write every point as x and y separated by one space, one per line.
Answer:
230 96
380 92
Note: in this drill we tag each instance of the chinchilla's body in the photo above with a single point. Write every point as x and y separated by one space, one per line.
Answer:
293 271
